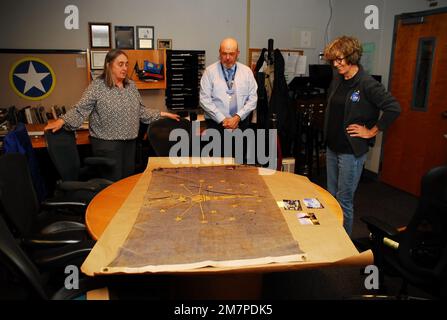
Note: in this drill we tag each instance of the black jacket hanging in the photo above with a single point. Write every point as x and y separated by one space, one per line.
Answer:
262 106
279 102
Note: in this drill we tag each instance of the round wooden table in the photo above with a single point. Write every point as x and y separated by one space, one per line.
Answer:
106 203
244 285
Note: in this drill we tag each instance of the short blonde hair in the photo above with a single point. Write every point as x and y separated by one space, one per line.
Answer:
349 47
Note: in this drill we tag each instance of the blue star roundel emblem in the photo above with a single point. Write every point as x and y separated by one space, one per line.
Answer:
32 78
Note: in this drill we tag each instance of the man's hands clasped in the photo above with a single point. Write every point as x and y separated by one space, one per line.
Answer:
231 123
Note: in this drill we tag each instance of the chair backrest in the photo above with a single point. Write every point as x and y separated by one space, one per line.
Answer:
423 247
17 195
64 153
158 134
17 262
18 141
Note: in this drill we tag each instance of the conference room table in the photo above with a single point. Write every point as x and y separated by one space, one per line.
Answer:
106 203
236 283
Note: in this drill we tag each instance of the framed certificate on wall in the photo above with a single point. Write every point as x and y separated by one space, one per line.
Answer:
145 37
97 59
100 36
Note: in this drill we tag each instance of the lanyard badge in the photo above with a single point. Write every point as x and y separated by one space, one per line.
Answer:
230 82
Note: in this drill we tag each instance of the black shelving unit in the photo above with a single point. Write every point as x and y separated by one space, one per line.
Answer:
183 74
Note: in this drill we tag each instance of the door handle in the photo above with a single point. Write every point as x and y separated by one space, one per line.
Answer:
444 114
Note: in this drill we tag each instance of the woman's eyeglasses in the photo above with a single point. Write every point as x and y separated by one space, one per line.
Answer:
339 60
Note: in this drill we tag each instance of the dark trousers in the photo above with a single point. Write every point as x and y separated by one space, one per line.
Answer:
243 125
122 151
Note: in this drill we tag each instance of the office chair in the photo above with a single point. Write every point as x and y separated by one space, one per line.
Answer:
28 220
64 155
418 254
18 141
21 279
158 134
143 149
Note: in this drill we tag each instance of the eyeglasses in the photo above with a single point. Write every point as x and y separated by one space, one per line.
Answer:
339 60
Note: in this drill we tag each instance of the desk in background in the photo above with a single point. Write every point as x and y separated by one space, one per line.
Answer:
37 137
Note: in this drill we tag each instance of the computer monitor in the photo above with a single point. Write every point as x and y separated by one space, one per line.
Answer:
299 83
320 75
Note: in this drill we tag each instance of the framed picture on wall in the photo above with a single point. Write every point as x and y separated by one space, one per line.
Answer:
145 37
124 37
97 59
100 35
164 43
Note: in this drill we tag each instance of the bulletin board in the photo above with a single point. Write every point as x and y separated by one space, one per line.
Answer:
69 77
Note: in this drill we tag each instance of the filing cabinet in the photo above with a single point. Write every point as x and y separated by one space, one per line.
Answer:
183 74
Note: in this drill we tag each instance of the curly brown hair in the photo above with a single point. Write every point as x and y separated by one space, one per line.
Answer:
349 47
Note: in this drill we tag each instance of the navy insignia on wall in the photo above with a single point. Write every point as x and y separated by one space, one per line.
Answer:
32 78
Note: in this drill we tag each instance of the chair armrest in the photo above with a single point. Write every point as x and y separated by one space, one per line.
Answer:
85 285
99 161
49 240
58 210
102 183
378 226
62 256
77 185
62 204
62 226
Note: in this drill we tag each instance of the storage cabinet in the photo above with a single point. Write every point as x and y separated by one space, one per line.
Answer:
184 71
309 145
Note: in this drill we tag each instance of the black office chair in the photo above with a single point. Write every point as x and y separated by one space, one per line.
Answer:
27 218
18 141
21 279
74 185
418 254
158 135
143 149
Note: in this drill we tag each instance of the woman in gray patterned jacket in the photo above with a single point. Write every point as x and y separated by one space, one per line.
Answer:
114 108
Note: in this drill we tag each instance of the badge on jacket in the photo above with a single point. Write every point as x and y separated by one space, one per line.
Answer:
355 96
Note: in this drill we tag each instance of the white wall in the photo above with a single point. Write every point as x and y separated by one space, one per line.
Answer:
278 19
192 24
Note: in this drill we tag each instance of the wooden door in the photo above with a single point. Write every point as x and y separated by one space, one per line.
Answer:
417 141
